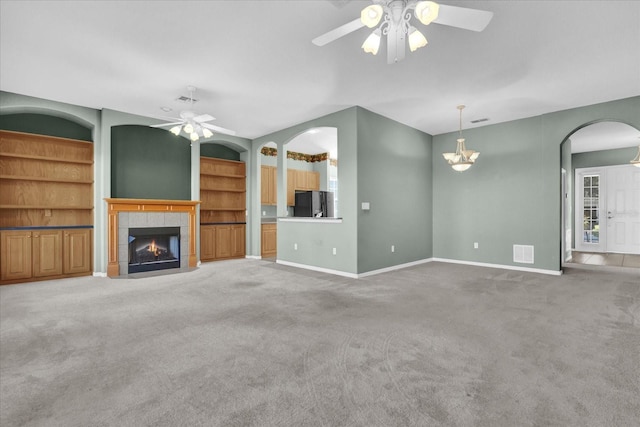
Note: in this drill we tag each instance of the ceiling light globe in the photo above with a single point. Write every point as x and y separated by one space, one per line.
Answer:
207 133
372 43
426 11
371 15
194 136
188 128
461 167
416 39
175 130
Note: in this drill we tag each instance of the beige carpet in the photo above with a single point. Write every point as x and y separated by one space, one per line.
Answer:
252 343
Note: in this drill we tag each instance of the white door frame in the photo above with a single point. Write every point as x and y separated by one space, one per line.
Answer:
579 243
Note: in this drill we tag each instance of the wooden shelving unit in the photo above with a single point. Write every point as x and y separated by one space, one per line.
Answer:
222 209
46 207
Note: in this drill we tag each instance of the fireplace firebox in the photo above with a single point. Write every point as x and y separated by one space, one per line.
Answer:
154 248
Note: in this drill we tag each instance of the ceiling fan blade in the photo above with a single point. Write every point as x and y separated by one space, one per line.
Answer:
336 33
218 129
161 125
203 118
462 17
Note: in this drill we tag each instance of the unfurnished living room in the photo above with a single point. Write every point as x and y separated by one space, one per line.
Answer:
319 213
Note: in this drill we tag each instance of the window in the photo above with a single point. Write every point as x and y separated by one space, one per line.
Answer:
591 206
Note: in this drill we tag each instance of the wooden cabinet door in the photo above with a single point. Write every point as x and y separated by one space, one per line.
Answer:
223 241
15 255
269 240
301 180
77 251
47 252
291 187
268 185
313 181
238 240
207 242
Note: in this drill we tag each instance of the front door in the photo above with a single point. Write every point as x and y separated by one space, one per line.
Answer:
623 209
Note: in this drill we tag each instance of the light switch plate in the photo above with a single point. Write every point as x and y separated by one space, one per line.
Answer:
366 206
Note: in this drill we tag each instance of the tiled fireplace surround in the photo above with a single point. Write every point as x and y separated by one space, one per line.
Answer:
138 213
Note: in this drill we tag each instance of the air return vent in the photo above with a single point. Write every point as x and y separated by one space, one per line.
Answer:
480 120
186 99
523 254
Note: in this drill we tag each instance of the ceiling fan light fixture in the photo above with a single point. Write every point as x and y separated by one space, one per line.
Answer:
371 15
194 136
188 128
372 43
175 130
636 160
426 11
416 39
207 133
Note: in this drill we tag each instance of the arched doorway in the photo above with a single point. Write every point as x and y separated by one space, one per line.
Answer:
601 196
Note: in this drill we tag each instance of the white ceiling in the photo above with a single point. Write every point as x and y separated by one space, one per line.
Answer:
257 71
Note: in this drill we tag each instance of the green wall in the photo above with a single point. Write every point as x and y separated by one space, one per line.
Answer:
394 176
315 241
512 194
43 124
149 163
620 156
218 151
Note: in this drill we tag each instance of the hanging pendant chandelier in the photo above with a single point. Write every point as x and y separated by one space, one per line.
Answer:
462 159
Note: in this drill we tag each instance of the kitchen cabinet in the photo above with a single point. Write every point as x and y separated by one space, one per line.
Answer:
269 241
269 185
301 180
44 254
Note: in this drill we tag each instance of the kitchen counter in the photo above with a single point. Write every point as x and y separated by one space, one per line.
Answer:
315 220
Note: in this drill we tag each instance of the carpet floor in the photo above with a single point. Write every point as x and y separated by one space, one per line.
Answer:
253 343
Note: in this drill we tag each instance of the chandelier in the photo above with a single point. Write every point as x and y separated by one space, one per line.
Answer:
636 160
462 159
395 16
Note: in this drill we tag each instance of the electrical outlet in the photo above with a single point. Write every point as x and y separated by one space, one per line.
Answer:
475 245
264 213
334 251
295 246
47 212
393 248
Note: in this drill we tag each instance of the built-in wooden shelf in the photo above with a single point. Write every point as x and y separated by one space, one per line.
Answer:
46 182
223 186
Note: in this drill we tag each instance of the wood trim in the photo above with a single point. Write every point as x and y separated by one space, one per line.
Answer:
114 206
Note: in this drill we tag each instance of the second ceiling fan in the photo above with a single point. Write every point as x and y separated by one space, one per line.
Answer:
394 19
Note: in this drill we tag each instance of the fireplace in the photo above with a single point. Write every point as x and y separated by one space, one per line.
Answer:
153 248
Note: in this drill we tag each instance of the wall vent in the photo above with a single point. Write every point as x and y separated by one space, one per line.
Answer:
523 254
480 120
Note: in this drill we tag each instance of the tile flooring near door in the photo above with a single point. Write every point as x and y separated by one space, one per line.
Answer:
605 259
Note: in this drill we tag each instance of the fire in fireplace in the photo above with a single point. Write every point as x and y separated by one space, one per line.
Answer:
154 248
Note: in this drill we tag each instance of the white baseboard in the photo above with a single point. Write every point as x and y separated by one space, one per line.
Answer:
354 275
320 269
395 267
503 267
99 274
253 256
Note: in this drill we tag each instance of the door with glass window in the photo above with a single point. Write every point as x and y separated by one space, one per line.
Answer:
590 211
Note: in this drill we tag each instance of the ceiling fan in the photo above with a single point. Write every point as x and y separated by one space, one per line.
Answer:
396 24
195 126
